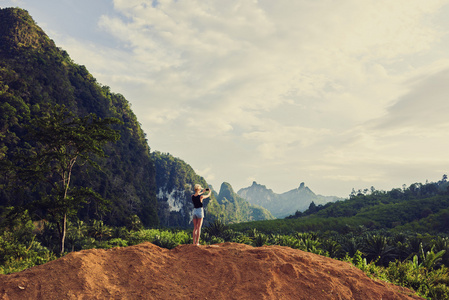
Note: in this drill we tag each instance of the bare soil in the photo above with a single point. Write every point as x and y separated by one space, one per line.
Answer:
222 271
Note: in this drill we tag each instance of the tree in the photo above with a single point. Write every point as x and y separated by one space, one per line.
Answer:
377 247
61 141
312 208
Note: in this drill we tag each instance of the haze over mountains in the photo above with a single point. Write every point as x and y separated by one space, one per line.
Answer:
285 204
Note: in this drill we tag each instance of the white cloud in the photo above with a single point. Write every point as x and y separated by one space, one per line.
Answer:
285 79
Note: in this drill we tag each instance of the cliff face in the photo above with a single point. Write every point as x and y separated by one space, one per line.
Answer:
285 204
175 180
36 75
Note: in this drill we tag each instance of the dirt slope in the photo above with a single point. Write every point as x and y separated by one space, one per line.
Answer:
223 271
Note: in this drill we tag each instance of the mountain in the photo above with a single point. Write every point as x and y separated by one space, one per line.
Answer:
175 180
236 209
36 75
420 208
282 205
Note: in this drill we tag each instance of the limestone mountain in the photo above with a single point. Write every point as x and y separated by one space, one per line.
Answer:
36 75
175 180
235 209
285 204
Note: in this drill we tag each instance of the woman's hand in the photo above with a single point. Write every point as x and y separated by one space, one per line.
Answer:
206 196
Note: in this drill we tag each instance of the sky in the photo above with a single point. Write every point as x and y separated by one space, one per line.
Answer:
339 95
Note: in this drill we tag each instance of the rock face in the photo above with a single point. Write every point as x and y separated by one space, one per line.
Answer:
175 180
228 271
282 205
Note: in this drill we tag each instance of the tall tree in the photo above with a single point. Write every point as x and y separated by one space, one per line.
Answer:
61 141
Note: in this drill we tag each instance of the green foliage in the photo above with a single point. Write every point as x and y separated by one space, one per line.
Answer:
19 248
260 240
61 140
35 75
423 270
219 230
377 248
163 238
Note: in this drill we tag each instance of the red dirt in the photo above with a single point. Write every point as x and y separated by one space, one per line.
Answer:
222 271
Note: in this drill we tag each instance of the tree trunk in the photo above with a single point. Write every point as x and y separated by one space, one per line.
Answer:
63 231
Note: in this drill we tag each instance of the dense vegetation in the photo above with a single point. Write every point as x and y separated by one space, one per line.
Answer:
35 76
416 261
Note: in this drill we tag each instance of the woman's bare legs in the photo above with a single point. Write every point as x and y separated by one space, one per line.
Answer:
197 223
200 223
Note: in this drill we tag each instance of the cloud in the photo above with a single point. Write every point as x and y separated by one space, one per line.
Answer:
424 108
279 91
253 55
291 82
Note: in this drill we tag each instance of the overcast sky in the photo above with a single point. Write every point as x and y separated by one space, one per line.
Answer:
337 94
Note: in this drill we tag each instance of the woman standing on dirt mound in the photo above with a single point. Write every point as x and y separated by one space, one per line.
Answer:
198 212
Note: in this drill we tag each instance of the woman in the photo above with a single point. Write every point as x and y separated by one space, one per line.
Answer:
198 212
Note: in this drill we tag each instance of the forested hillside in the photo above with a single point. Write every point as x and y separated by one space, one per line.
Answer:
35 77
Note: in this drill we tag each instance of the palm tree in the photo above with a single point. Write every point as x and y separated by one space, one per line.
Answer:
99 230
333 248
220 230
259 240
377 247
350 246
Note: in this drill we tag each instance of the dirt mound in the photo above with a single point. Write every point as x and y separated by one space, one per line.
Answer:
223 271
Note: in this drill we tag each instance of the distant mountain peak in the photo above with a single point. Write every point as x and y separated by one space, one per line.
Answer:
282 205
226 191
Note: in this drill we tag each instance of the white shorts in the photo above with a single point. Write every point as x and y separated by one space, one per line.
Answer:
198 213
